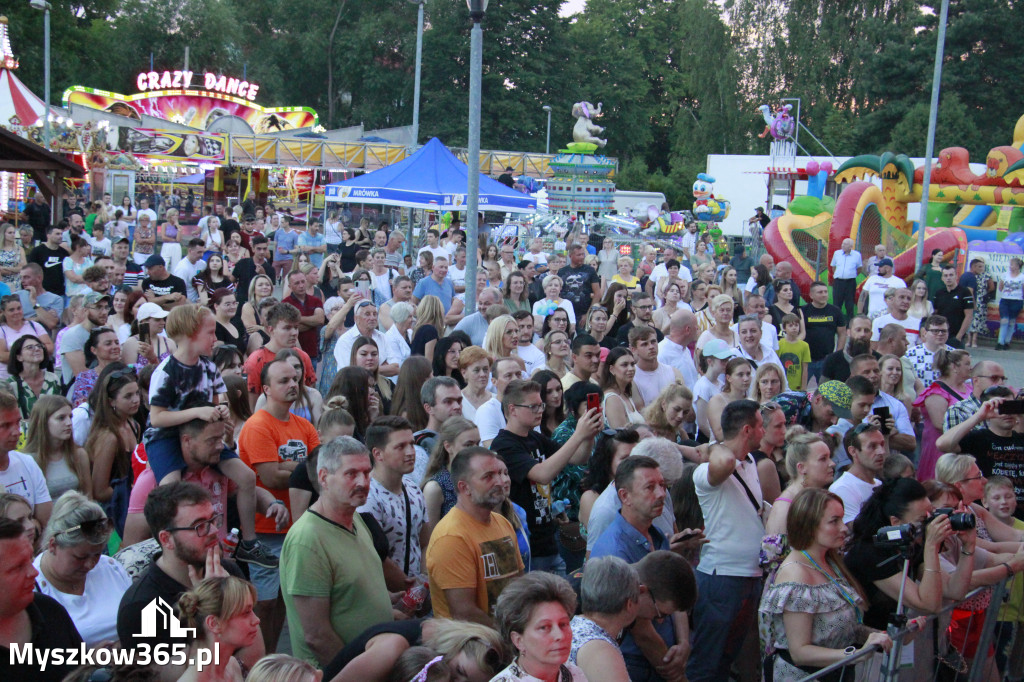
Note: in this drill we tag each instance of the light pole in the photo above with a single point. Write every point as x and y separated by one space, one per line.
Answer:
547 145
419 62
45 7
477 8
933 114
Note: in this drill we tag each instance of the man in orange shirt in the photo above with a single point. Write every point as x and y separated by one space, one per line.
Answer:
273 442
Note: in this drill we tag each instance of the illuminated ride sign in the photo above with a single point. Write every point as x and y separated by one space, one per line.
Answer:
180 80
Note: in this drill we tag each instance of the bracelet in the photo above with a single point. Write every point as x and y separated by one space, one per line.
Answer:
275 502
933 570
966 553
1009 571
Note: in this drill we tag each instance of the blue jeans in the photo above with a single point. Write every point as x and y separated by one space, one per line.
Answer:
724 613
549 564
267 580
640 669
1008 312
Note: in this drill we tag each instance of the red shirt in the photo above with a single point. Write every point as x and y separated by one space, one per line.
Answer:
254 365
309 340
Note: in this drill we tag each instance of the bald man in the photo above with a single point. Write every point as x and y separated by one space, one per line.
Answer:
846 263
674 349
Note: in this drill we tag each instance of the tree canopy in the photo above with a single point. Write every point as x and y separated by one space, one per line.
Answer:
678 79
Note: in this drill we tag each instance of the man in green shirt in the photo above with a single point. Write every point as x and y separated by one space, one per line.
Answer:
331 576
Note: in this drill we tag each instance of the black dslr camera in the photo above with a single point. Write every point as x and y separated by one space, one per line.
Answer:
904 534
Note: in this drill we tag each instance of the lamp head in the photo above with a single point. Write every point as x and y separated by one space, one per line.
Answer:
477 8
39 4
546 108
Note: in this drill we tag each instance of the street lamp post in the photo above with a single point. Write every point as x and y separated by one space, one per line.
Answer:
933 114
45 7
419 62
477 8
547 145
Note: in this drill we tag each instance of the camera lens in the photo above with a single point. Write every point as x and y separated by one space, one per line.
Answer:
962 521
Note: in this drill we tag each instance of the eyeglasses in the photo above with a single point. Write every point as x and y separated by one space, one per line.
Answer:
93 530
536 408
939 331
32 346
643 307
980 477
128 373
995 378
363 304
594 308
203 528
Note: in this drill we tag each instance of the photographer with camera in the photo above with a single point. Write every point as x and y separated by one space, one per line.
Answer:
900 507
998 446
963 473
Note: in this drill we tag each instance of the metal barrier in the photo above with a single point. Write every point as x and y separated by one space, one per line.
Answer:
889 670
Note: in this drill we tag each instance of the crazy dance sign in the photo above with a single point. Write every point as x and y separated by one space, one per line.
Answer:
168 80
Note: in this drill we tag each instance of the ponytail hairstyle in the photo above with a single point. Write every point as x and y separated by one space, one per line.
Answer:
798 449
222 598
892 498
945 360
441 458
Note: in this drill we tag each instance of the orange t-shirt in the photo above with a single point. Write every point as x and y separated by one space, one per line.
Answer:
256 360
265 438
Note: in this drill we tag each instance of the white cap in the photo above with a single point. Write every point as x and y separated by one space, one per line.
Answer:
150 310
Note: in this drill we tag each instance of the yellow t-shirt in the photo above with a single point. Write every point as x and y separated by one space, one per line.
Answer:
632 283
1013 610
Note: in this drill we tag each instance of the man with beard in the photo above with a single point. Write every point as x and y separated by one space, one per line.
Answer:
473 553
72 349
903 438
897 300
858 342
865 445
586 356
182 519
532 356
273 442
641 306
331 575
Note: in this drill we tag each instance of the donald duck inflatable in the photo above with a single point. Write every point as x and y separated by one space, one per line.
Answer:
707 207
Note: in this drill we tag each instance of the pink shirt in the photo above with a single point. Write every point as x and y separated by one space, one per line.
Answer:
218 485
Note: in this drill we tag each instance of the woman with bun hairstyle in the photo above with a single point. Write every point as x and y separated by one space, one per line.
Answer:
221 612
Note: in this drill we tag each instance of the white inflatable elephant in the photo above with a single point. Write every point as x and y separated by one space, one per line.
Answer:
585 130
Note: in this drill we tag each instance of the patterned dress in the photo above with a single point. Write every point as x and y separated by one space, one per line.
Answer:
979 324
444 479
835 619
11 259
585 631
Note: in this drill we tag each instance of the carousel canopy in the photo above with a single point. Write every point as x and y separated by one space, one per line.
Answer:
16 100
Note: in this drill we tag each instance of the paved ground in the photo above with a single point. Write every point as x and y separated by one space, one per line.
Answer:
1012 360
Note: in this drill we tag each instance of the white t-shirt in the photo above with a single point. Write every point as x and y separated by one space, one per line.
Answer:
660 270
94 612
457 276
532 356
382 284
539 258
876 286
490 419
343 349
731 523
912 325
767 355
187 270
24 477
390 511
1013 287
152 216
680 357
651 384
437 251
854 493
396 348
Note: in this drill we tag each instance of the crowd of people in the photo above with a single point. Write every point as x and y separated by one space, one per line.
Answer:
609 470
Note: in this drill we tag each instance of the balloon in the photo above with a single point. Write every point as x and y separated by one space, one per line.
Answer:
812 167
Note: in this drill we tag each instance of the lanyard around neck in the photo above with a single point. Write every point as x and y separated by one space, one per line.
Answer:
842 590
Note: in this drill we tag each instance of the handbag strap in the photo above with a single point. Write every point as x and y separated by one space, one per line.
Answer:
750 495
408 527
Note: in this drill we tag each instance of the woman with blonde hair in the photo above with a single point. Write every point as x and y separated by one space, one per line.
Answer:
769 381
170 234
556 353
475 366
502 338
429 326
12 258
49 443
891 368
669 411
920 306
721 308
439 492
706 317
552 286
14 507
809 464
260 287
220 612
732 288
74 571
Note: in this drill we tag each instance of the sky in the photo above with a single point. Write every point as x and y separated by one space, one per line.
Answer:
572 7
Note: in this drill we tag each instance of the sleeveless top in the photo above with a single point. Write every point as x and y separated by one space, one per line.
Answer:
633 415
60 478
585 631
444 479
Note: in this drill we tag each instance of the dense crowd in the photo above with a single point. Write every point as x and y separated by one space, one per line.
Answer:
667 467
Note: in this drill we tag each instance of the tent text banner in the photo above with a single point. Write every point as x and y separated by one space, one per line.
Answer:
167 80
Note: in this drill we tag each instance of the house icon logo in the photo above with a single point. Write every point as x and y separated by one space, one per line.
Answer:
158 617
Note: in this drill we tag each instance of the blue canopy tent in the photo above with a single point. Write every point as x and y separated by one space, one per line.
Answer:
431 178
